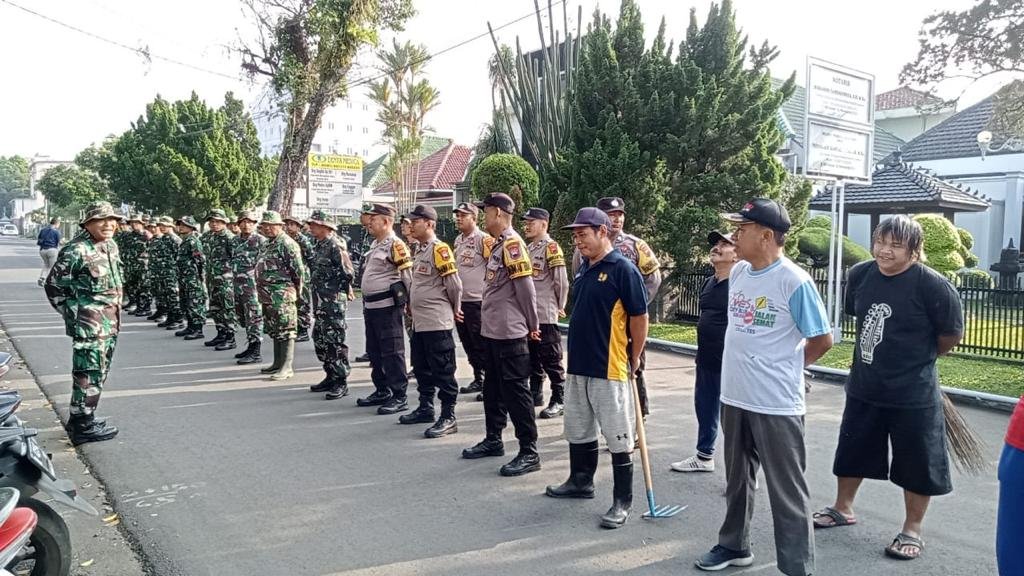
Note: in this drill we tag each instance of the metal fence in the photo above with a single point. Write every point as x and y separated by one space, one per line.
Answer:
993 317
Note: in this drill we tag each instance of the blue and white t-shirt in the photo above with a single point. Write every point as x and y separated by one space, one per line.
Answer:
771 313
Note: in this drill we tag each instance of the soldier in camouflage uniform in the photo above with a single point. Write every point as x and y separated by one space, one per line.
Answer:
85 286
248 247
129 246
330 281
140 266
295 231
155 289
280 278
164 264
191 287
220 248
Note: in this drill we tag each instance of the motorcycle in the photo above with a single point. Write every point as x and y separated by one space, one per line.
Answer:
16 527
26 467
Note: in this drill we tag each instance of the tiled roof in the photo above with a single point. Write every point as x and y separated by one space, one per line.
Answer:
439 171
956 136
374 174
898 185
903 97
886 143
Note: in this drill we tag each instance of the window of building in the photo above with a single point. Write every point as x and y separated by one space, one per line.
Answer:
366 107
315 147
348 105
330 125
365 152
366 130
348 151
348 128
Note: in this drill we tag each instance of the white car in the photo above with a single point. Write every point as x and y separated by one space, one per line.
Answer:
8 230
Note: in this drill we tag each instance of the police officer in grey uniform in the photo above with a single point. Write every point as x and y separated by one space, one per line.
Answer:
551 282
472 249
638 252
385 284
509 321
434 301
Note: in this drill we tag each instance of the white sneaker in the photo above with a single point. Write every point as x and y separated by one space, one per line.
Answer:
694 464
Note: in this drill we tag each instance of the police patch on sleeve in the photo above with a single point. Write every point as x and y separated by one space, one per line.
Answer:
400 256
488 246
444 260
554 255
647 261
516 260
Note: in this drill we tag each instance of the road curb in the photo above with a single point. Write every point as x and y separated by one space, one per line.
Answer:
970 397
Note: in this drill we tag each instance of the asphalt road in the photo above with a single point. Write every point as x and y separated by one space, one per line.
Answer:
218 471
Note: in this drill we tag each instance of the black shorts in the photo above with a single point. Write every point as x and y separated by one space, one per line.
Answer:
920 463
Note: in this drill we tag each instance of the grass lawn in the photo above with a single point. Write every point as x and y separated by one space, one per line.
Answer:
992 376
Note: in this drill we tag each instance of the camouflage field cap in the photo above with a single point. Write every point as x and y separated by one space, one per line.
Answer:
290 218
218 214
99 211
250 215
188 221
320 217
135 217
271 217
146 219
165 221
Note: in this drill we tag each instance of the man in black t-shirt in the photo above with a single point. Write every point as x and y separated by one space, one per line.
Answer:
907 316
711 326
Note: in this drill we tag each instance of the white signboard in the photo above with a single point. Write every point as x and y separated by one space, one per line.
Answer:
840 116
335 181
834 151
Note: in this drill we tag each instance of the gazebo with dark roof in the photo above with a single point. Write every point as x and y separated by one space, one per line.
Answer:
898 187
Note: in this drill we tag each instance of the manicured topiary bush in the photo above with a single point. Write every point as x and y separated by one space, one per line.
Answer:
506 173
819 222
814 242
943 243
975 278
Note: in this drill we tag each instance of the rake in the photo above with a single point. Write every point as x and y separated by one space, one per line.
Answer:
654 511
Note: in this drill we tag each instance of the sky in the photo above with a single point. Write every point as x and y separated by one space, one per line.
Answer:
64 90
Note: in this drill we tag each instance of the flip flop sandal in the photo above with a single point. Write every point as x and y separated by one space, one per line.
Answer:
838 519
895 550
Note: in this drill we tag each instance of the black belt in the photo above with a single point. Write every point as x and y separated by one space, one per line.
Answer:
377 297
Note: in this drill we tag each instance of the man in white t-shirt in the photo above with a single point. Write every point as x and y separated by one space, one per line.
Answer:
777 325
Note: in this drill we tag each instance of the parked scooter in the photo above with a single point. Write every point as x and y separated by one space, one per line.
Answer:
16 527
26 467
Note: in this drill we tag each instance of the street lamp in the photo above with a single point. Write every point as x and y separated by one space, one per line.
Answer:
985 144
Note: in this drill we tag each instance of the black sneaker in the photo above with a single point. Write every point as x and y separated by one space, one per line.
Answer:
393 406
523 463
375 399
474 386
322 386
419 416
363 358
720 558
486 447
553 410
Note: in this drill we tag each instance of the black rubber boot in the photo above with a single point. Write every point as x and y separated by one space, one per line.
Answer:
288 352
339 389
422 415
228 343
491 445
278 359
525 462
622 492
253 356
582 466
445 425
195 333
216 340
82 429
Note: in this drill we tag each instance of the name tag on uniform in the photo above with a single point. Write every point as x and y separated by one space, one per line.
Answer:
422 268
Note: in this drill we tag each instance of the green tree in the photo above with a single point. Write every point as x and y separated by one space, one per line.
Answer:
306 48
982 41
68 184
494 139
186 158
13 180
507 173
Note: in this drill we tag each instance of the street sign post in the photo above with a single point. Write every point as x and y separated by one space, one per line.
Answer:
335 182
839 134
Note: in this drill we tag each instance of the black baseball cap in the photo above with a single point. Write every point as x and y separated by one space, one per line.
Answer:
587 217
611 204
422 211
380 209
714 237
767 213
537 214
500 201
467 208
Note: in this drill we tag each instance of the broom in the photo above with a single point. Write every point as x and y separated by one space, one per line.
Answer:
963 444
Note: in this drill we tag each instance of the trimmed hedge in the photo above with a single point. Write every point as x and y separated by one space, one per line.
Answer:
507 173
814 243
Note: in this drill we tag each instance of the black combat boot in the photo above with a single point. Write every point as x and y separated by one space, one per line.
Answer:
175 322
303 335
491 445
525 462
143 310
364 358
184 331
130 307
582 466
253 354
247 351
195 333
622 492
477 385
445 425
339 389
278 359
377 398
394 406
82 429
216 340
556 407
422 415
323 385
158 313
288 353
228 343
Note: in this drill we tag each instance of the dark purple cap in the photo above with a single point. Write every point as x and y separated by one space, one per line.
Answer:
537 214
611 204
500 201
422 211
380 209
589 216
467 208
714 237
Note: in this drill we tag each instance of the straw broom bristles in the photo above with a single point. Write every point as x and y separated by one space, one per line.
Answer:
964 445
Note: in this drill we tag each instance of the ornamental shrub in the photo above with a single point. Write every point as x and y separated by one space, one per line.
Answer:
506 173
814 241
